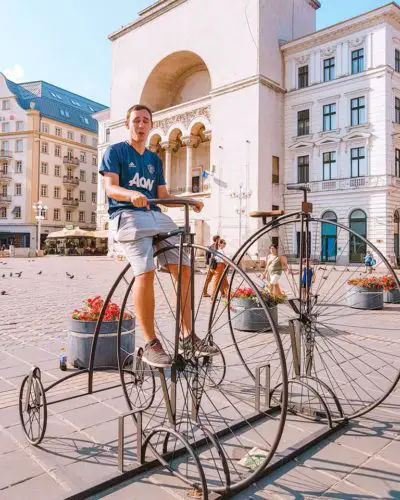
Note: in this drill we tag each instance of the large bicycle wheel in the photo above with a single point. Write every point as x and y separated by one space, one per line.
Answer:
219 411
33 408
340 340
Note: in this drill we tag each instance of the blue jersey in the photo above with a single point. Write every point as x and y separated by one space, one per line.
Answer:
136 172
306 280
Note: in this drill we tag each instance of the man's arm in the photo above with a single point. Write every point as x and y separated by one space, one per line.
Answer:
118 193
162 192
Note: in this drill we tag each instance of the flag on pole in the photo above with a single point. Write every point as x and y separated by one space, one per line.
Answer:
205 174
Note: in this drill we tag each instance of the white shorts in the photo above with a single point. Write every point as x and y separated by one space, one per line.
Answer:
134 230
274 279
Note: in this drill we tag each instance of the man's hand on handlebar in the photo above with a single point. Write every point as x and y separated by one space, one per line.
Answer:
139 200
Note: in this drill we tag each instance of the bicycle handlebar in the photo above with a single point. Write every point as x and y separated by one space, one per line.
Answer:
172 201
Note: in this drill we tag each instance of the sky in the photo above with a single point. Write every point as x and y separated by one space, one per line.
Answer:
66 42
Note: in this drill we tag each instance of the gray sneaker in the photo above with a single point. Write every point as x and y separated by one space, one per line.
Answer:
154 355
201 347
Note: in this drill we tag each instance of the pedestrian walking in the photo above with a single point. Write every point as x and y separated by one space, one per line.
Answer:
211 265
219 271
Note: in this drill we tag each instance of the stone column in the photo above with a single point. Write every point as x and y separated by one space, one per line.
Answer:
167 147
190 142
370 48
338 62
345 59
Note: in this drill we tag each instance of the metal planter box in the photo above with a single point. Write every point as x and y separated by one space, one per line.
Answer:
248 317
359 297
392 296
80 338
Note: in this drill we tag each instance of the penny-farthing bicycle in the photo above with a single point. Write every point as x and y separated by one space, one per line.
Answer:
339 330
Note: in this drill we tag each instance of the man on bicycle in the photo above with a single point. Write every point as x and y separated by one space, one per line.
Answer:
132 176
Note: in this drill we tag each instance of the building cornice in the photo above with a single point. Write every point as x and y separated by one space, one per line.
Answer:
147 15
388 13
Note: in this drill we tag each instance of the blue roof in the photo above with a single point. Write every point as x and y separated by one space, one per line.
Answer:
56 103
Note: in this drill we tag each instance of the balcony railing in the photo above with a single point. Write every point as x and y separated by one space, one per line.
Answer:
71 161
5 199
5 176
73 181
369 181
70 202
5 154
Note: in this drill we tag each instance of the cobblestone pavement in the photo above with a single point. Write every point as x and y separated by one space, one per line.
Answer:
361 461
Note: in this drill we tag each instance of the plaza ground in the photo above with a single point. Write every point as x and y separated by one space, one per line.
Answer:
359 462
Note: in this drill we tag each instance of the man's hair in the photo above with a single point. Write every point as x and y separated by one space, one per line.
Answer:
216 238
138 107
273 246
222 242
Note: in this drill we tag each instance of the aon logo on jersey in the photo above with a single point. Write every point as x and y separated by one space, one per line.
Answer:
141 182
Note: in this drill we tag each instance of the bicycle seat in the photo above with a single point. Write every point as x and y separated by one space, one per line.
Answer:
270 213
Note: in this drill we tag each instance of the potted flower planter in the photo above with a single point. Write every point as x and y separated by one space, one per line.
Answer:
248 315
365 293
82 326
392 296
391 291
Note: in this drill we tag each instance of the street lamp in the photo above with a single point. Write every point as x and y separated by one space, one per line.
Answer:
41 209
241 195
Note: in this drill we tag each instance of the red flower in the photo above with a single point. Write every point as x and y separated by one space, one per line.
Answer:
93 307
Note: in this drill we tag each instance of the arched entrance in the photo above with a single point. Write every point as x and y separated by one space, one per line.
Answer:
358 223
397 236
329 238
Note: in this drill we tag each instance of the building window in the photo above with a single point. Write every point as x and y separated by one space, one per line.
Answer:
275 170
83 139
58 132
83 157
44 168
19 125
303 77
64 112
57 170
56 214
329 166
329 69
397 110
94 197
93 218
94 142
94 177
357 61
82 176
57 150
18 189
5 105
68 215
4 190
3 213
45 147
357 111
18 168
69 194
57 192
94 160
82 196
70 154
81 216
45 128
358 162
19 146
107 137
69 172
4 147
43 190
397 163
5 127
397 60
70 135
17 212
303 166
303 122
329 117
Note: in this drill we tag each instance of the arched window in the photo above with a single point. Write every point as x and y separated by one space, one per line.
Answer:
358 223
329 237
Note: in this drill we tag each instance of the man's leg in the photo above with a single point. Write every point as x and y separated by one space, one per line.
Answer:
186 309
209 276
143 298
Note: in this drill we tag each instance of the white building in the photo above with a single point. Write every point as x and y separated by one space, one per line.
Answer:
48 152
223 79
